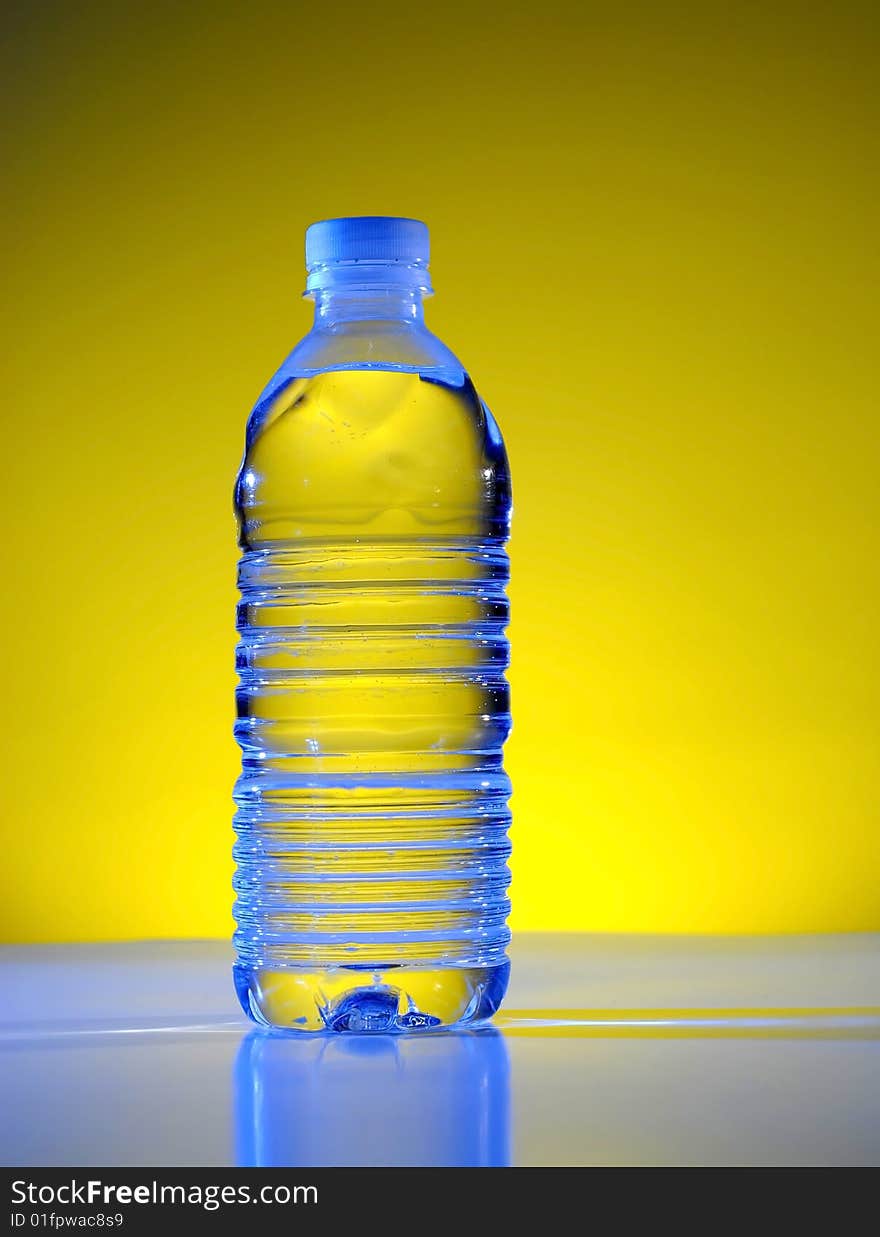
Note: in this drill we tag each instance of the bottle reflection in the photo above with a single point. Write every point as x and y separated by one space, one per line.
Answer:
436 1100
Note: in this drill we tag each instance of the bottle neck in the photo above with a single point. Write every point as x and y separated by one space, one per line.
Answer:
371 314
335 307
369 291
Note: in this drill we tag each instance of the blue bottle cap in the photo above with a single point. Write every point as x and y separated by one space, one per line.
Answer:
367 238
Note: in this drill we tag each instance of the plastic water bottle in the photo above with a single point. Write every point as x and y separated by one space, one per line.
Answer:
374 505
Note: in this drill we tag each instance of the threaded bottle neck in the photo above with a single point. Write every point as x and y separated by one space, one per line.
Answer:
335 308
368 292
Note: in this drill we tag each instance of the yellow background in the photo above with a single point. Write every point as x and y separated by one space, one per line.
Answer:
654 230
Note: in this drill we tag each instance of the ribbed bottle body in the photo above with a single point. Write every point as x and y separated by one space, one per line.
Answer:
372 818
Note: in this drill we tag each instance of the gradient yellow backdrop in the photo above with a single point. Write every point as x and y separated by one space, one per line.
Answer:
654 230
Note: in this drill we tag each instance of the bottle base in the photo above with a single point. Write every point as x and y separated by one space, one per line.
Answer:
388 1000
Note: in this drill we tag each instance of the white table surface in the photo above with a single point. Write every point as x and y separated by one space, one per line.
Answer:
609 1050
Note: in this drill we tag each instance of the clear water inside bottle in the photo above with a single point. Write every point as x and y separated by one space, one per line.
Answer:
373 503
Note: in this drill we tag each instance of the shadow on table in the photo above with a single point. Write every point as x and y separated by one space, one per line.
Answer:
439 1100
